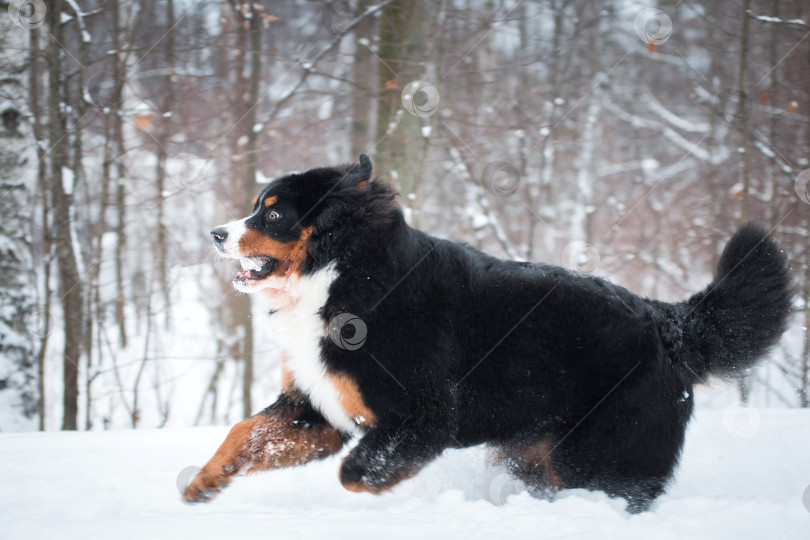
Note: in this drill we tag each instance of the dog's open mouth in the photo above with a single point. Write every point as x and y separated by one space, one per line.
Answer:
255 269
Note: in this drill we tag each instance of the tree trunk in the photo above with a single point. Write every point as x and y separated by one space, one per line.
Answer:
119 73
582 222
746 136
34 88
363 78
804 390
772 172
163 141
586 176
20 324
246 68
743 122
249 186
79 108
547 153
402 50
69 280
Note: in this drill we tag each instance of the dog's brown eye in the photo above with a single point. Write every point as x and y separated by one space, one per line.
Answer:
272 215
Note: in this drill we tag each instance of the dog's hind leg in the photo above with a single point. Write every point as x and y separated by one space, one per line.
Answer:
628 446
288 433
531 462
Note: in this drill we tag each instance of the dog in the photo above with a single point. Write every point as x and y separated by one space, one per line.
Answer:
414 344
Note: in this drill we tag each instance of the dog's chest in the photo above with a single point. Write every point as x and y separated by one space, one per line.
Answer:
301 333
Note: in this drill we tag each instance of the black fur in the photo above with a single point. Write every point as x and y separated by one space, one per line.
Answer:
463 348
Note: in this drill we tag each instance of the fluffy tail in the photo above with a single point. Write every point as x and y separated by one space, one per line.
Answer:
744 311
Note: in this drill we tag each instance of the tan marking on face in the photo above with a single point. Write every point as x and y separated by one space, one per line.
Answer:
291 254
351 400
255 200
270 201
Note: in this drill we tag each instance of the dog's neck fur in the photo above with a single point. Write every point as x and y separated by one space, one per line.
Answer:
301 331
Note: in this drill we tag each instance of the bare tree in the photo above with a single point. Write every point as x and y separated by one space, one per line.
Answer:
21 323
70 285
364 82
402 42
251 131
46 252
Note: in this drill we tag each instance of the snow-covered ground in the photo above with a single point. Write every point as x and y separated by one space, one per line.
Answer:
743 476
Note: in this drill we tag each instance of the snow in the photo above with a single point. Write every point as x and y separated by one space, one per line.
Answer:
768 19
716 156
68 180
122 484
657 108
262 179
649 164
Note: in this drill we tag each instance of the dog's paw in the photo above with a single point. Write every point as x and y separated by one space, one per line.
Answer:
204 487
354 478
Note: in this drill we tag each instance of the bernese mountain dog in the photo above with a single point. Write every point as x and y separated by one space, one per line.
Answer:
410 344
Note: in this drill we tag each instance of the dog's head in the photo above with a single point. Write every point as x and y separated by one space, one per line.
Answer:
274 242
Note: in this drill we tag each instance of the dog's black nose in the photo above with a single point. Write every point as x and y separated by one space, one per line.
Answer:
219 235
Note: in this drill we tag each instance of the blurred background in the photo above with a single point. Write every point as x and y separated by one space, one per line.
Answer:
625 139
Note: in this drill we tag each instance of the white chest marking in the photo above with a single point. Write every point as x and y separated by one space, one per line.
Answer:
301 330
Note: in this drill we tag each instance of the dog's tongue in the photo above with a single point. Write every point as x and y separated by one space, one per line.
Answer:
247 274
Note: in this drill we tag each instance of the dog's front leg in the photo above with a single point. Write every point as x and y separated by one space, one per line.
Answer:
387 455
289 432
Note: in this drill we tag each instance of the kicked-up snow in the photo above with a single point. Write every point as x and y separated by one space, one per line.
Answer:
742 476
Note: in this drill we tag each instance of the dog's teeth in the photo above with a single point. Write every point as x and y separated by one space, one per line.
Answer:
253 263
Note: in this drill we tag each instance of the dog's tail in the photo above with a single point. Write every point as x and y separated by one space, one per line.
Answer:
743 312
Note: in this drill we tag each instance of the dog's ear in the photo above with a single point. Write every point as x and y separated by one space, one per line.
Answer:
358 175
331 215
